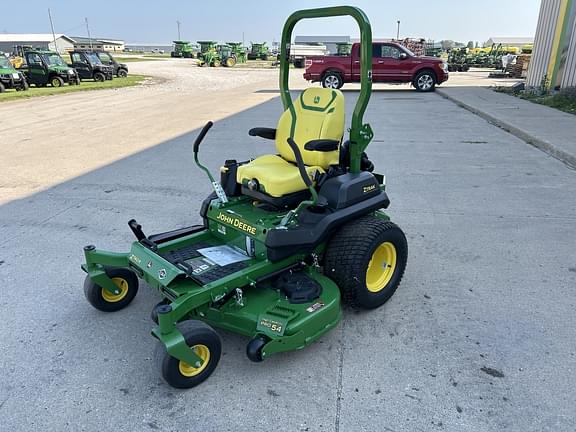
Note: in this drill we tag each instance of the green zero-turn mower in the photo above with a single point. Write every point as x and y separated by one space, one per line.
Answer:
285 238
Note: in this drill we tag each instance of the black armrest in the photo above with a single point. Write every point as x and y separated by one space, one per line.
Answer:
267 133
322 145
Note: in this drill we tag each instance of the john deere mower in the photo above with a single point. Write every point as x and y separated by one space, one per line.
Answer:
286 237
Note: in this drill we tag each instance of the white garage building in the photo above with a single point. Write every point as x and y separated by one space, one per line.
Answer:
39 40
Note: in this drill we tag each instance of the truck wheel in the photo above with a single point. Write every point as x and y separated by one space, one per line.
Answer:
56 81
122 73
367 258
99 77
425 81
2 88
104 300
332 80
206 344
25 86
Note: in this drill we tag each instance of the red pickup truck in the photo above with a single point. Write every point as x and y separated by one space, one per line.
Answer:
391 63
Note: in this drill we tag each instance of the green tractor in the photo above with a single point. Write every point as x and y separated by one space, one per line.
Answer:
258 51
238 50
287 237
208 55
182 49
10 78
458 60
227 55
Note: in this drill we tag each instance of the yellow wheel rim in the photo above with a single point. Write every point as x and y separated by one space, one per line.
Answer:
114 298
188 371
381 267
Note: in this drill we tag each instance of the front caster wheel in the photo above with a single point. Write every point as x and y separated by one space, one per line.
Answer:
104 300
254 348
206 344
154 313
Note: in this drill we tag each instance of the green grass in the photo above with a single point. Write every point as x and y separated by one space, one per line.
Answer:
559 101
130 80
563 101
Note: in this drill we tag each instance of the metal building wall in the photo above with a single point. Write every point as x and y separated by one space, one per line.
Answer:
554 56
543 42
567 76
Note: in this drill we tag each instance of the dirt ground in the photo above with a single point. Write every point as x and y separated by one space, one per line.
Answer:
84 131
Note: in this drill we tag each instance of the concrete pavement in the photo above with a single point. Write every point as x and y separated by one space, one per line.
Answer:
481 335
549 129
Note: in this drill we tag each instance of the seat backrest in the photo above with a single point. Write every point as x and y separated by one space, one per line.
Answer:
319 114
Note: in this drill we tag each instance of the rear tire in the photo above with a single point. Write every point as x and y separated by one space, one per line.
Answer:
332 80
367 258
425 81
206 344
122 73
2 88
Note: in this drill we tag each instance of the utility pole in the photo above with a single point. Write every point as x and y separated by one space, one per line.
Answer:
88 30
52 26
178 24
398 31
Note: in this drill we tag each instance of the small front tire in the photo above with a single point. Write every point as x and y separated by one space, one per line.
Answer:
206 344
105 301
254 348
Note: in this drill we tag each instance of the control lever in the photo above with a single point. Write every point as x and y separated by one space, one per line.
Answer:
215 185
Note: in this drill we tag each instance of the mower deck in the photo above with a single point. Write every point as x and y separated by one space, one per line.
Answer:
241 296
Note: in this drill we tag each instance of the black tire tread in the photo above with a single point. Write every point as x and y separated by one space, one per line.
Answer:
190 329
93 291
348 248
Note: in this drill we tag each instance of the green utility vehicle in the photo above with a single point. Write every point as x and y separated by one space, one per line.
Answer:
286 237
258 51
182 49
10 78
47 67
120 69
89 66
208 55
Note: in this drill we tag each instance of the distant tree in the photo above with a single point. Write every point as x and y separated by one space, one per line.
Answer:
470 44
476 44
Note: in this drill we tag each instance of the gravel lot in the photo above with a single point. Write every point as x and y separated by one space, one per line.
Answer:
479 337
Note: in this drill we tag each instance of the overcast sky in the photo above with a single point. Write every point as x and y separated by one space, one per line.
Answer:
155 21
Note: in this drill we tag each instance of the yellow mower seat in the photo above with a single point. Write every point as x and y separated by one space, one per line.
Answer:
319 114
